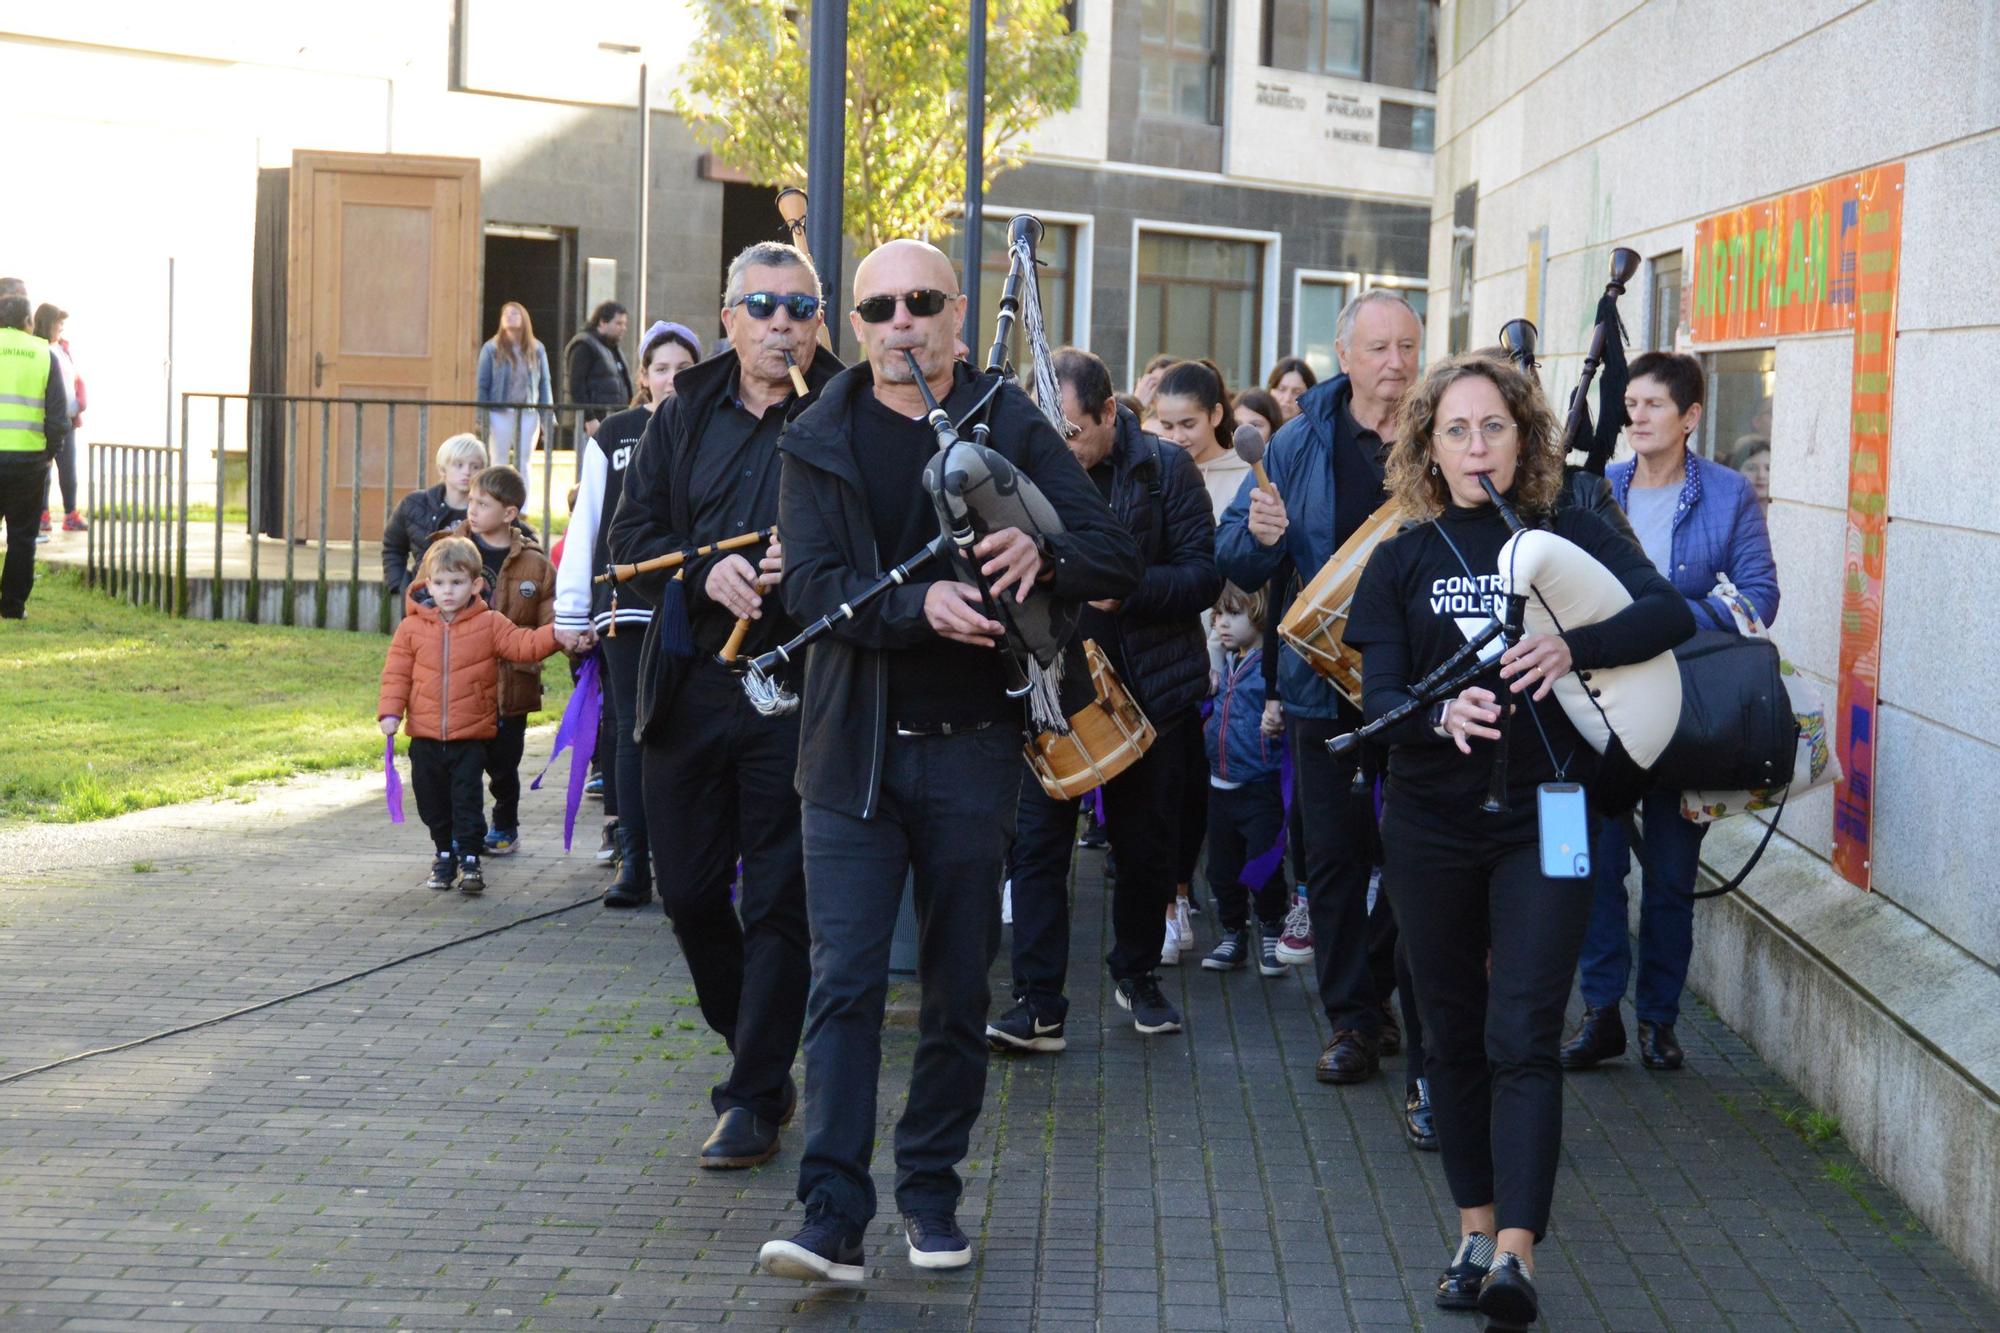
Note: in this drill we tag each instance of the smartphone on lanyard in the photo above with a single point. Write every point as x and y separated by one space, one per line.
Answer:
1563 819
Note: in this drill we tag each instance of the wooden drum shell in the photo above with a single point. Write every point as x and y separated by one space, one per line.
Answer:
1106 737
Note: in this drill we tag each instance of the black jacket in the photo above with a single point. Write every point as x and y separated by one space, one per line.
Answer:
830 558
655 515
594 374
419 515
1158 494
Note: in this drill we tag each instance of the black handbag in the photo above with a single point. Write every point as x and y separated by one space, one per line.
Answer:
1737 728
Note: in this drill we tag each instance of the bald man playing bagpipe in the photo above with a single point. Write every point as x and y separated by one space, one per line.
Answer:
910 750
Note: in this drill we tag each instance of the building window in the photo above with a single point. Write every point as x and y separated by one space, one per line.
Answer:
1737 424
1319 304
1379 41
1199 296
1055 281
1180 49
1407 126
1664 310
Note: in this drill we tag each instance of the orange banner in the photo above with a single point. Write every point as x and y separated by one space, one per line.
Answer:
1818 259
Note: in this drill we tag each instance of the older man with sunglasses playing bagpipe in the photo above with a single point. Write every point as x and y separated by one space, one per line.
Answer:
717 773
910 757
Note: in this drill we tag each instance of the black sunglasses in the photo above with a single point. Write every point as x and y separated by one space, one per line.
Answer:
923 302
763 305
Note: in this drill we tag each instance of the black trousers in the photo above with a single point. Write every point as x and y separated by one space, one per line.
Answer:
945 816
623 792
1139 809
65 470
1389 965
1243 824
503 771
1461 886
1340 846
23 488
446 775
1193 822
718 787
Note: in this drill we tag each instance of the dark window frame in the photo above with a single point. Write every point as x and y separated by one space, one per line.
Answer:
1218 50
1267 47
1254 286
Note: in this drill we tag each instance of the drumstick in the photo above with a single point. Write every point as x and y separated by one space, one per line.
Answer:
1249 444
798 377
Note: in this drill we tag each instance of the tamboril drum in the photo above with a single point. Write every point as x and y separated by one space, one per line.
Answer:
1318 615
1106 736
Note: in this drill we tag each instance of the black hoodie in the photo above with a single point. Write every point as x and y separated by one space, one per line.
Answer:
830 558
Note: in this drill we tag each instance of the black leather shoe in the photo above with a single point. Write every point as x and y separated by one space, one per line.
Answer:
634 885
1458 1285
1600 1036
1349 1057
1658 1047
791 1102
1389 1037
740 1139
1507 1297
1419 1122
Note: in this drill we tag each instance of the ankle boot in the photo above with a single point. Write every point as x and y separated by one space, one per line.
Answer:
634 885
1601 1036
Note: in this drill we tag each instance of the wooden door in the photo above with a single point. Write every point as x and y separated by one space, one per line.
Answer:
383 299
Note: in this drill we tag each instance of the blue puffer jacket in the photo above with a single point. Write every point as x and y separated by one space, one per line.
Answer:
1300 465
1238 749
1718 529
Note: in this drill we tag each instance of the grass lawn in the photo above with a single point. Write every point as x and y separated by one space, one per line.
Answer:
111 708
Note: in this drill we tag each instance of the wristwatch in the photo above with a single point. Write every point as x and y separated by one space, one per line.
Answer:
1438 711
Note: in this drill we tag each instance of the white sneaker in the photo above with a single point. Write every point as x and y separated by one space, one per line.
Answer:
1007 903
1170 944
1184 923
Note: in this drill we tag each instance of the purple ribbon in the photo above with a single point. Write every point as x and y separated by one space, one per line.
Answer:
1259 871
392 781
577 732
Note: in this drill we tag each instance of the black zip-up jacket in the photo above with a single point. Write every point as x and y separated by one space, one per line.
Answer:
1158 494
655 515
419 515
830 558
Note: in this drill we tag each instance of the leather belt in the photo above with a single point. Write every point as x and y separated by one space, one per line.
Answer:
941 728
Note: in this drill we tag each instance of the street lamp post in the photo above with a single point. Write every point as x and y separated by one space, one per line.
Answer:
826 149
645 172
975 169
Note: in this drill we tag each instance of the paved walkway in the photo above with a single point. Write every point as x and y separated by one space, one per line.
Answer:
498 1133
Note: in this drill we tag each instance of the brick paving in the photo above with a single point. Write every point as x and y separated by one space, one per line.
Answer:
499 1135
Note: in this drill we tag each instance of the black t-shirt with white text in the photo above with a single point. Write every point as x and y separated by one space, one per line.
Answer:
1416 605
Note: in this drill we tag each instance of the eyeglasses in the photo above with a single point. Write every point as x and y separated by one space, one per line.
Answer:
763 305
1457 437
922 303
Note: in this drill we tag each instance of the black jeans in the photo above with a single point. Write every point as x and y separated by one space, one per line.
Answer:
1139 805
23 488
718 786
503 771
65 470
1389 965
624 795
1243 824
1460 889
1340 841
946 812
446 775
1193 822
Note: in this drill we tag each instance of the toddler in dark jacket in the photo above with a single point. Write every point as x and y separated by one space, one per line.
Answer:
1246 805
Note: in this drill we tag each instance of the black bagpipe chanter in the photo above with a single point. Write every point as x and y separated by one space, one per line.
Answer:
1711 714
1085 727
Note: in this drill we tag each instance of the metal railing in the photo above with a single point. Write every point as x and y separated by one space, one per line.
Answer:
316 446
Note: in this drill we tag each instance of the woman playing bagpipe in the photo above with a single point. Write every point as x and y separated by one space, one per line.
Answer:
1464 834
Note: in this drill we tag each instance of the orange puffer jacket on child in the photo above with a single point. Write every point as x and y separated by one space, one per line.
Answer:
442 678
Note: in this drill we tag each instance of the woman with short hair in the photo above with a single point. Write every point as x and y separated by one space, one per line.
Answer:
1492 940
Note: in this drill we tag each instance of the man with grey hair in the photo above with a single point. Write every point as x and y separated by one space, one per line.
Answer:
1326 468
717 775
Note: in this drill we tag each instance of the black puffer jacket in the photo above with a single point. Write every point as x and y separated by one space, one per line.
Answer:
831 557
1158 494
419 515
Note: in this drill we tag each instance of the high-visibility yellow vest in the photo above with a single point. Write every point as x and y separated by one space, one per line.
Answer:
24 385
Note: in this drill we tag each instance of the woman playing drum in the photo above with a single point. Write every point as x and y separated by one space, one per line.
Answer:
1467 885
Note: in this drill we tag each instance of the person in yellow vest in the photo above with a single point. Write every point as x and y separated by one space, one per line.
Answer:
34 420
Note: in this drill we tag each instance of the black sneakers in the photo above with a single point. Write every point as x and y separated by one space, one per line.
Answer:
936 1241
827 1248
444 871
471 879
1151 1014
1019 1029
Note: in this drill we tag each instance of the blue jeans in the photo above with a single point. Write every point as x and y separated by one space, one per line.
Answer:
946 812
1666 910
